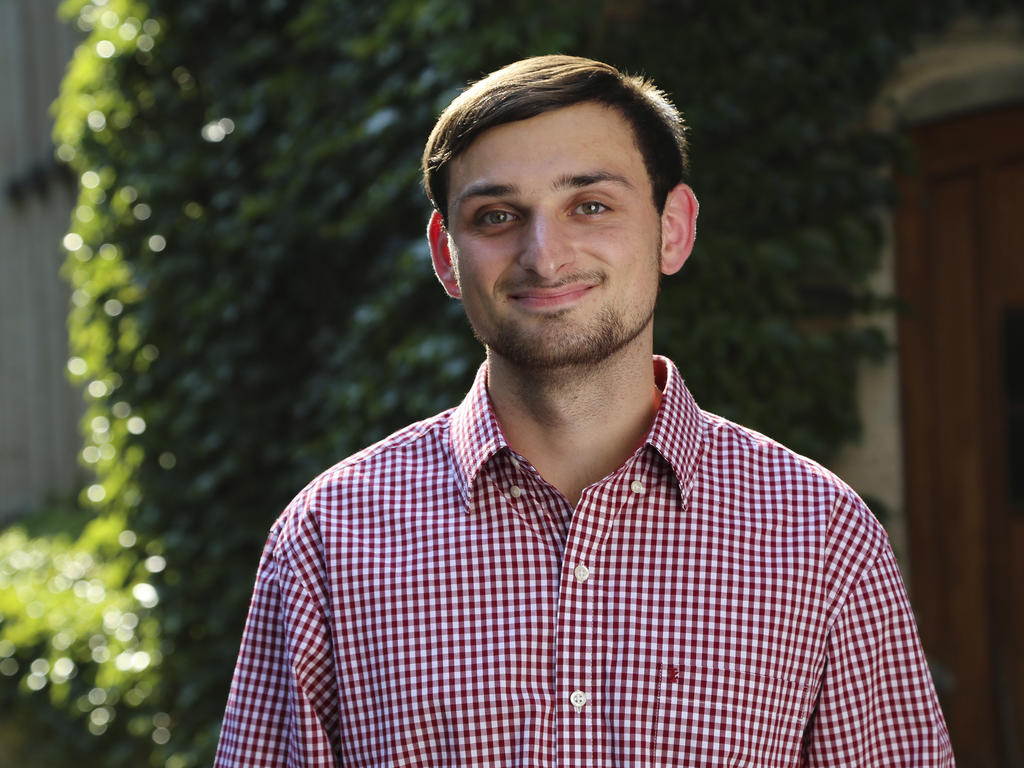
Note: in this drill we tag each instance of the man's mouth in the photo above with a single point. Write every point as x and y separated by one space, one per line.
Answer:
556 296
564 293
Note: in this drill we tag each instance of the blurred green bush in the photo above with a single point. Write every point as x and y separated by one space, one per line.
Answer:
253 298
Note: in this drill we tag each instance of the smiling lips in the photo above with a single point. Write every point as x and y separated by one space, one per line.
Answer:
559 295
555 297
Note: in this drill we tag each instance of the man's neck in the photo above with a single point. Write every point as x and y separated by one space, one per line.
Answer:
576 426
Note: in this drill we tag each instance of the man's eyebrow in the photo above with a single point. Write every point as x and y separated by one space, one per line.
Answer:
483 189
568 181
580 180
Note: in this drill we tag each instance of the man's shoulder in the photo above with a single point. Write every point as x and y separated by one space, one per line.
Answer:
757 471
743 444
413 449
398 467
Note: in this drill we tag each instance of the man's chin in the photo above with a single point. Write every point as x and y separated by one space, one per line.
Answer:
561 346
542 355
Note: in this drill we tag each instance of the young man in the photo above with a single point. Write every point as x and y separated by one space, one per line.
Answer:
576 566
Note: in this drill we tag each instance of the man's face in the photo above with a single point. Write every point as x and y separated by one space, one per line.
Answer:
554 240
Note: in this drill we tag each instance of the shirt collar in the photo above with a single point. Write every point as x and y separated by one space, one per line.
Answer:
680 427
677 434
476 435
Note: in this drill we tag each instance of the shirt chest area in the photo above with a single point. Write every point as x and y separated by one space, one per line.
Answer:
632 621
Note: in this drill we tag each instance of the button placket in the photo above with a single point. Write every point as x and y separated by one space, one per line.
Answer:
579 654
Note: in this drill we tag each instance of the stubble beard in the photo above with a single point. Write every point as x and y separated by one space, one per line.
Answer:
561 344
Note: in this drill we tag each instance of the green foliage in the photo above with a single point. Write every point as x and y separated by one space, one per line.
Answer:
253 299
80 629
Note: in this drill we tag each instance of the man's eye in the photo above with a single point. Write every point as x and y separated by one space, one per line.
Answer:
496 217
591 207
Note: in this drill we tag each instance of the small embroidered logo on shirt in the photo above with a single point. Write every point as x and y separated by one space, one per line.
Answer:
673 675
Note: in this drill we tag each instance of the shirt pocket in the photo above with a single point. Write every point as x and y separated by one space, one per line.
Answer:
728 716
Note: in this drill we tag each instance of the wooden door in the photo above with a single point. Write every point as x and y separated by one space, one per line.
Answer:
960 257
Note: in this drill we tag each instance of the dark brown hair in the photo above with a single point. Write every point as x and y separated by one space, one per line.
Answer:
541 84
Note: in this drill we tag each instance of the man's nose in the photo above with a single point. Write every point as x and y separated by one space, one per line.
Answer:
548 247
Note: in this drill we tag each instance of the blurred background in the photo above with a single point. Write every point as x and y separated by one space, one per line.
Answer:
214 284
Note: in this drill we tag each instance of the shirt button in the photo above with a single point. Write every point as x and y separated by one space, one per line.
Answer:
581 572
636 486
578 699
516 491
515 462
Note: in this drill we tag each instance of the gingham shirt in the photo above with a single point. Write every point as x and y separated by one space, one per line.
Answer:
715 601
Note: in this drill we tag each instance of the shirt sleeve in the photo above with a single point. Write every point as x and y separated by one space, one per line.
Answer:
282 708
877 705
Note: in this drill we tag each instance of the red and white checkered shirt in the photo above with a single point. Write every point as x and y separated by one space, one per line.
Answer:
715 601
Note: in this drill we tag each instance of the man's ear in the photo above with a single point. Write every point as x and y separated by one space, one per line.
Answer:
441 255
678 228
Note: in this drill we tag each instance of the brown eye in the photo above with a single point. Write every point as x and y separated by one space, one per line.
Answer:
591 207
